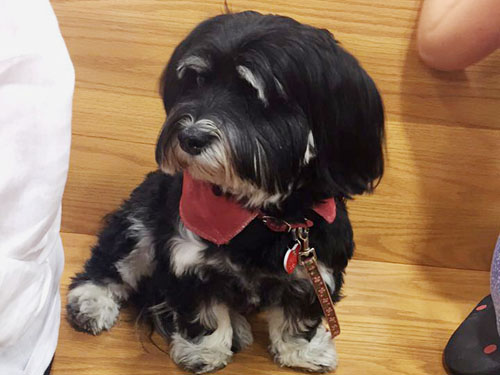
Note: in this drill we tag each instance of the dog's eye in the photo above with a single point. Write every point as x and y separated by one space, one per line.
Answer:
200 80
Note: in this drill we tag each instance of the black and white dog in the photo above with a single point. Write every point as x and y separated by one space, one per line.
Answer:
266 116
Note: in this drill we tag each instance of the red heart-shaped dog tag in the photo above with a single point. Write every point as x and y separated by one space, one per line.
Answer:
292 258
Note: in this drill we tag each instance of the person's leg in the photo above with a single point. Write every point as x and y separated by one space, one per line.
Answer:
36 88
495 282
453 34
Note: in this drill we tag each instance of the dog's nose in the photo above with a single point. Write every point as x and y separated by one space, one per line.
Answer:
193 140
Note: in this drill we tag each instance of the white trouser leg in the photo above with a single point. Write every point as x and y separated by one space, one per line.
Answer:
36 90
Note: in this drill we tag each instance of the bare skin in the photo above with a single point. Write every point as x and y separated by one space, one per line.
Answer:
453 34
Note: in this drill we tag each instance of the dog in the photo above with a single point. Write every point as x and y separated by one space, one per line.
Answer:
267 118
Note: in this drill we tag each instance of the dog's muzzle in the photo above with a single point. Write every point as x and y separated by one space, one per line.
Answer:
194 140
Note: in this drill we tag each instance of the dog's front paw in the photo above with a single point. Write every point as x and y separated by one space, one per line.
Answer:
201 357
91 308
316 355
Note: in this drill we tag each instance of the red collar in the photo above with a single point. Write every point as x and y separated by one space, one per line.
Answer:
219 219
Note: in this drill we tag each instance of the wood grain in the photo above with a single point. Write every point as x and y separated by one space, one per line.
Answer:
438 203
102 173
395 320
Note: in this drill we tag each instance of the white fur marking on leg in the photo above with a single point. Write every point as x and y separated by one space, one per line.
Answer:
140 261
211 352
292 350
95 307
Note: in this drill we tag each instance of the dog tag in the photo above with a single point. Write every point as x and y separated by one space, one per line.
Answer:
292 258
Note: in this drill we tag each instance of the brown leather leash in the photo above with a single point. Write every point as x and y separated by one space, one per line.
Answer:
308 259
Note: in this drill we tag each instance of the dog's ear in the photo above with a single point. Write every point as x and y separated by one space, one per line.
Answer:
347 118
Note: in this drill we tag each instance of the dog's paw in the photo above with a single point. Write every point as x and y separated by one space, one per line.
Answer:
317 355
199 357
91 308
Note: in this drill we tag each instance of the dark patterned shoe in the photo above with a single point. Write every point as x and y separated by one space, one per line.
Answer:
474 348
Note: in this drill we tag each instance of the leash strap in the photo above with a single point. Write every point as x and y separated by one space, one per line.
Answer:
308 259
323 295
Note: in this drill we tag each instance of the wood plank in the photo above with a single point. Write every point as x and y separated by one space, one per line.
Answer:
102 174
117 116
396 319
437 204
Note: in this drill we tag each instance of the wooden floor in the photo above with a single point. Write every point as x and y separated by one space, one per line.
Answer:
395 319
424 239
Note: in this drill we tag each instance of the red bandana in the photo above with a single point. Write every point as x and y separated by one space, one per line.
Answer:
219 219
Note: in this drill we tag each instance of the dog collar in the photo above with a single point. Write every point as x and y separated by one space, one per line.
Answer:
219 219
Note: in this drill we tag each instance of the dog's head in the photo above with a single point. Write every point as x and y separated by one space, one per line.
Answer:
264 106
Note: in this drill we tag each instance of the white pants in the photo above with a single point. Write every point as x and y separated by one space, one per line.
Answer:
36 90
